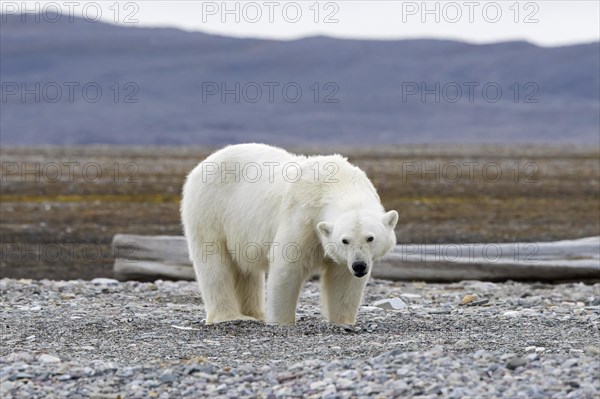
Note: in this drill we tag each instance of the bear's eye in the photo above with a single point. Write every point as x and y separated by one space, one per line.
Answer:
370 238
345 242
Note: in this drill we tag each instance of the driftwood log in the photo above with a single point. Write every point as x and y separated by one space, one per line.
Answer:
166 257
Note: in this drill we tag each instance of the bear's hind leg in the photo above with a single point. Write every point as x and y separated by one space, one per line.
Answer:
216 279
250 291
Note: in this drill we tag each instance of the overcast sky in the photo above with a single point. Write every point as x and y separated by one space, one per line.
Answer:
548 23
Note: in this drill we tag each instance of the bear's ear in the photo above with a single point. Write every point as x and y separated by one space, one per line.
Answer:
325 229
390 219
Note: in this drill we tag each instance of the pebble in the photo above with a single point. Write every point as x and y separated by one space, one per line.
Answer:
592 350
105 281
168 378
515 362
570 363
468 299
390 303
511 313
317 385
20 376
45 358
479 302
439 311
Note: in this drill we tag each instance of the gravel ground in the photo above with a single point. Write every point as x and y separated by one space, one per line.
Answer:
104 339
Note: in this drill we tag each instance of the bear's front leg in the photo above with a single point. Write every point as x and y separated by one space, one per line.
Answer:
341 294
283 288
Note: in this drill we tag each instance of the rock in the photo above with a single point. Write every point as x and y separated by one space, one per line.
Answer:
468 299
351 375
105 281
570 363
284 392
515 362
329 391
390 303
151 383
6 386
194 368
479 302
168 378
20 376
318 385
45 358
344 383
439 311
511 313
436 350
592 350
20 357
125 372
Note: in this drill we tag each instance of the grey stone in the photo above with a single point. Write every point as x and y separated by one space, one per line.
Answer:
570 363
20 376
515 362
168 378
45 358
105 281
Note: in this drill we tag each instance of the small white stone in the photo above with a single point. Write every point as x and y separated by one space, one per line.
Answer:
284 392
390 303
318 385
343 383
511 313
45 358
437 349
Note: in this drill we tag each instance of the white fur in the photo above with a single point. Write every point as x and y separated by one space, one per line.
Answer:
240 224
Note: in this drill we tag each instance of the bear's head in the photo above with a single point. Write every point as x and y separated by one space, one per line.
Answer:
358 238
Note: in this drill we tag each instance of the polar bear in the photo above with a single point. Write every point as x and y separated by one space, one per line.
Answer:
251 209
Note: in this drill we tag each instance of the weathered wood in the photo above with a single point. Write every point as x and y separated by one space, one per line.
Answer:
152 257
165 249
127 269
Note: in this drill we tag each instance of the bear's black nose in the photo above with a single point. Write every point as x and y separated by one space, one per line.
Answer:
359 268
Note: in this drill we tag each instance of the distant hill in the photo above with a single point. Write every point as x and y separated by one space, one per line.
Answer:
172 70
